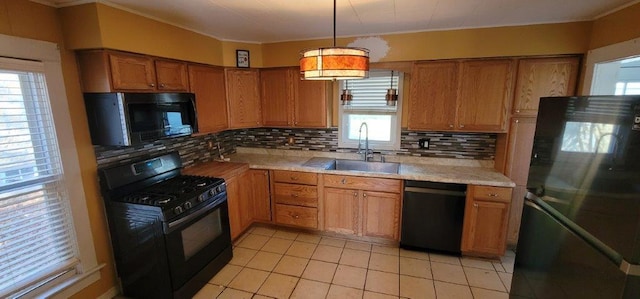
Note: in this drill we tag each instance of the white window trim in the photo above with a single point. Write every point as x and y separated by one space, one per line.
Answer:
606 54
49 54
396 123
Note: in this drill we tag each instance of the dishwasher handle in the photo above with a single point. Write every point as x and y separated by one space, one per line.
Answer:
434 191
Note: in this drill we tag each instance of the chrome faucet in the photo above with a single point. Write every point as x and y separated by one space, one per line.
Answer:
367 152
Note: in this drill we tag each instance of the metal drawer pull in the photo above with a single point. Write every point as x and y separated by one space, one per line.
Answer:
294 195
475 205
493 194
294 178
296 216
343 181
364 195
355 194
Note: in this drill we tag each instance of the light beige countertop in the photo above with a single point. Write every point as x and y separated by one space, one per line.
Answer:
411 168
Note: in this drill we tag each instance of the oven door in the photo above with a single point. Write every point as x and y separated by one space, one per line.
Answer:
196 239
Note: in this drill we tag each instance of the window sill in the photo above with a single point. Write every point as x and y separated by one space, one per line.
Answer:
74 284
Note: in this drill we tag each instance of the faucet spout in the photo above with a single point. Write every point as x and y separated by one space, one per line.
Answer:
366 141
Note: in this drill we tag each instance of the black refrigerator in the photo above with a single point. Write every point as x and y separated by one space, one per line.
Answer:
580 229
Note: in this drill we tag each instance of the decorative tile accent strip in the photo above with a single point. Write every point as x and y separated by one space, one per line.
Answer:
478 146
192 149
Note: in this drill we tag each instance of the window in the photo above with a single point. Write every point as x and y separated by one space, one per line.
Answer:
627 88
369 106
46 247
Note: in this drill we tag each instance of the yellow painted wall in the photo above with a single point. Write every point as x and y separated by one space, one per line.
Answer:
548 39
31 20
229 53
617 27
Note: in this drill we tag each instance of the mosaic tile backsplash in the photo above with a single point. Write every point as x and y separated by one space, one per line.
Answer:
196 149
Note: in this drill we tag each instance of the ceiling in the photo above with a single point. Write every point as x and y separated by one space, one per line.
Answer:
264 21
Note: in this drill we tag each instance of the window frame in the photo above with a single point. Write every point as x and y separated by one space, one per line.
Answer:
87 271
396 119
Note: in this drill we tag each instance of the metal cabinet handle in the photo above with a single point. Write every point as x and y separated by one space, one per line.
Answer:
493 194
294 195
162 85
355 194
296 216
152 85
517 121
475 205
461 126
364 194
343 181
294 178
517 111
450 126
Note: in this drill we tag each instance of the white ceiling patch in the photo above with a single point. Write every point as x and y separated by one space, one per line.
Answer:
378 47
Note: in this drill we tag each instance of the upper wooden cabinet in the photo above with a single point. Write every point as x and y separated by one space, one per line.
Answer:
484 95
288 101
543 77
432 105
243 98
106 71
207 83
470 96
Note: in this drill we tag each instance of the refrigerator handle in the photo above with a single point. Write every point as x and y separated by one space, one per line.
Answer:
630 269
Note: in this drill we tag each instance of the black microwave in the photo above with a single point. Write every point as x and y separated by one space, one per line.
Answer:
124 119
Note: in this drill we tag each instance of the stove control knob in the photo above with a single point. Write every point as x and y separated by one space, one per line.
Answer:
187 205
177 210
212 192
202 197
219 189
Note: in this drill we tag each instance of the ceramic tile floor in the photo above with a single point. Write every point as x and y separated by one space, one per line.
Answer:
270 263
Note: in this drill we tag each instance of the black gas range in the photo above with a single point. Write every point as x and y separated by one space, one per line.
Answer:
170 232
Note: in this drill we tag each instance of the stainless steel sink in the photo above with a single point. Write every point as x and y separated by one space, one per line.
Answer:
357 165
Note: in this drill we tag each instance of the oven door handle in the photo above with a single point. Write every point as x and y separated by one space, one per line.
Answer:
206 209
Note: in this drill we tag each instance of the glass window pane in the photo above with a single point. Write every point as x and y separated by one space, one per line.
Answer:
585 137
379 126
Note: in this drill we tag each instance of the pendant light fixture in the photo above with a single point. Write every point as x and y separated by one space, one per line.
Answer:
392 94
346 95
334 63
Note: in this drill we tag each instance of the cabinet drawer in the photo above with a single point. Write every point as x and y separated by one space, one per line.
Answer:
292 194
492 193
363 183
295 177
298 216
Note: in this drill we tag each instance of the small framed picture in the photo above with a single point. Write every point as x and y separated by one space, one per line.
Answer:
242 58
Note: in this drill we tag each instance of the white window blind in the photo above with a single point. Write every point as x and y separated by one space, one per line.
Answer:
369 94
37 240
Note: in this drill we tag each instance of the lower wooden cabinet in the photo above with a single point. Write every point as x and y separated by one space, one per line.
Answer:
239 201
260 201
348 208
295 198
486 218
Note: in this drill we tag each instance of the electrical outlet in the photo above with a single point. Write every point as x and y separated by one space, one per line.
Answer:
424 143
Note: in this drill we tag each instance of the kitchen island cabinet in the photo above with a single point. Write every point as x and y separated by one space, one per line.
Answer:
243 98
288 101
208 84
107 71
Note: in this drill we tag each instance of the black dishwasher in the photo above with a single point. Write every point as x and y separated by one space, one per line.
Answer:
432 215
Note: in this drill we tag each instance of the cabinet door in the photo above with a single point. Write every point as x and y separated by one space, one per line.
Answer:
260 203
207 83
171 75
310 103
484 95
432 105
233 201
520 147
132 72
486 232
243 98
543 77
277 97
380 214
341 210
